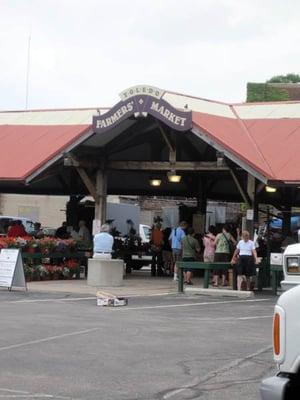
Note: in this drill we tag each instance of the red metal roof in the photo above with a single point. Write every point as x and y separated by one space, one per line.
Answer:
264 136
25 148
269 146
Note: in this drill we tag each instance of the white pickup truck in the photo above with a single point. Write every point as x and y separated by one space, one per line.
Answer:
286 346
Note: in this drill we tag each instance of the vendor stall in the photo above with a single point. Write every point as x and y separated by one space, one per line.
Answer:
48 258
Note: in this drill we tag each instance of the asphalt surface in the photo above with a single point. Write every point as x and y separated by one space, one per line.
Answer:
55 346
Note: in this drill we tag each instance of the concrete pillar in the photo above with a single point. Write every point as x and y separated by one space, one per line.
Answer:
103 273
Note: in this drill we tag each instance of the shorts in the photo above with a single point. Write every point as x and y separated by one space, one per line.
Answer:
188 259
167 256
177 255
209 258
246 266
222 257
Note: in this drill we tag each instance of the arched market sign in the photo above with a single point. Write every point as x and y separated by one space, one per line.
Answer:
140 101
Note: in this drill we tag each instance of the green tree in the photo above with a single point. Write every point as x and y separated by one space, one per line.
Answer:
288 78
268 92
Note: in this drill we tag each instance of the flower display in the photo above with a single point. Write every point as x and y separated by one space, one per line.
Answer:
45 245
66 270
40 265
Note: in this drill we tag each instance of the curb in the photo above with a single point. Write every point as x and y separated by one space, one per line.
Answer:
219 292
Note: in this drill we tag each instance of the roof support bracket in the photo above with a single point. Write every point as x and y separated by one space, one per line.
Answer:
172 148
90 185
71 160
243 193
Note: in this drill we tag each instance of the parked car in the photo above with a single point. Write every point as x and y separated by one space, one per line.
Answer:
286 348
5 221
145 233
47 231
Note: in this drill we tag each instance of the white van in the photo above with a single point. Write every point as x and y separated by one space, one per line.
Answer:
6 220
286 349
291 266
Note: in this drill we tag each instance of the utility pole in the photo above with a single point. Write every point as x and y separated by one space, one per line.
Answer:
28 70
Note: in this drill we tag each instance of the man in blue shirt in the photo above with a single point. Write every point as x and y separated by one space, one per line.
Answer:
175 238
103 243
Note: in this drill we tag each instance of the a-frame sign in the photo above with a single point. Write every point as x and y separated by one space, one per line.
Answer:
11 269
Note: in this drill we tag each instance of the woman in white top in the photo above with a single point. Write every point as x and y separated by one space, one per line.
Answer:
245 249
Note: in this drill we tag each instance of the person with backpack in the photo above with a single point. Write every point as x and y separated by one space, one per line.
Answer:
175 239
224 243
190 248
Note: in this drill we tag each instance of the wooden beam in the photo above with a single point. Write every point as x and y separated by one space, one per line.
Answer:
167 140
91 187
243 193
165 166
149 165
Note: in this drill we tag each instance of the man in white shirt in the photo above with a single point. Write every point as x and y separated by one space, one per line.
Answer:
103 243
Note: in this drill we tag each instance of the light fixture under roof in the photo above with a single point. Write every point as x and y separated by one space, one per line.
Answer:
270 189
155 182
173 177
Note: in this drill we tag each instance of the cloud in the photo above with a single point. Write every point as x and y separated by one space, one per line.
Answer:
85 53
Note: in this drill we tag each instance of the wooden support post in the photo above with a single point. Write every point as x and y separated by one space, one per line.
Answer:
199 219
101 196
286 221
251 192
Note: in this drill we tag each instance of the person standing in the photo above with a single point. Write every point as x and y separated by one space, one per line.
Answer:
167 251
247 260
17 229
84 233
190 248
156 241
209 245
175 238
62 231
223 243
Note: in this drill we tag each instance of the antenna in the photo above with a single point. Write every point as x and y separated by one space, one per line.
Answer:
28 70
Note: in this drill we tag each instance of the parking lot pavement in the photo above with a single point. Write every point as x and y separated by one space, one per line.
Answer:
173 347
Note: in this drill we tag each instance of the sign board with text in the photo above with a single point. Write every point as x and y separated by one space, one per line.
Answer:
250 215
139 101
11 269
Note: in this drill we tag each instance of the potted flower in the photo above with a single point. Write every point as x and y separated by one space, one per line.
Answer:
28 271
32 245
44 274
47 245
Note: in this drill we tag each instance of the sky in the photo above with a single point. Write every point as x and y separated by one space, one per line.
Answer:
84 53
